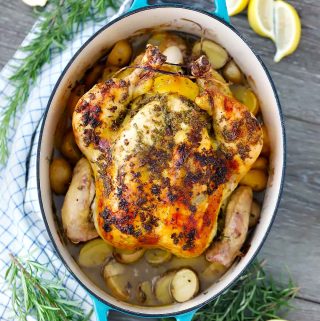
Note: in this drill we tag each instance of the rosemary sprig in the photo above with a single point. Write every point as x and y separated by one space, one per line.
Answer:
57 24
255 297
45 299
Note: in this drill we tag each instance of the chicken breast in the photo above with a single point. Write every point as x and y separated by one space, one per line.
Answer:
162 162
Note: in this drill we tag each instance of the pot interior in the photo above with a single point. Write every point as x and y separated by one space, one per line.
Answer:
193 22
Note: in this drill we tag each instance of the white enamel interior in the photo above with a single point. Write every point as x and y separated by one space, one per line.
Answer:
174 19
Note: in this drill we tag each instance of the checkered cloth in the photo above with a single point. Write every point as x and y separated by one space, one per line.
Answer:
22 230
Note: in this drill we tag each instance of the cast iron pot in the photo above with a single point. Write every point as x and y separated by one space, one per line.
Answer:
182 18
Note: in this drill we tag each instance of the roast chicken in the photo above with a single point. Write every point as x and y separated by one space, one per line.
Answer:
163 159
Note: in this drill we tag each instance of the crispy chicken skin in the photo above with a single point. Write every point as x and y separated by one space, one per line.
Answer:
163 163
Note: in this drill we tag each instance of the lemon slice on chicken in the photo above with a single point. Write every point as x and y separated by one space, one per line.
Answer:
287 29
236 6
260 16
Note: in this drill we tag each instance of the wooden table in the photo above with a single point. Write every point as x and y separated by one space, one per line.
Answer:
294 241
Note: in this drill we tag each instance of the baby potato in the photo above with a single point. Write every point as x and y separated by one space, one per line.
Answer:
232 72
256 179
127 256
60 174
69 148
247 97
217 55
74 97
177 84
94 253
260 163
120 54
266 142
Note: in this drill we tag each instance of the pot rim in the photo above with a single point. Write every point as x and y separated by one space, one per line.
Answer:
236 278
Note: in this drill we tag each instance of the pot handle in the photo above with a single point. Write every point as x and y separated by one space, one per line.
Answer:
101 310
220 8
186 316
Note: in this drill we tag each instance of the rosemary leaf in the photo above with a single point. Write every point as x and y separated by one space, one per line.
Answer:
57 24
41 298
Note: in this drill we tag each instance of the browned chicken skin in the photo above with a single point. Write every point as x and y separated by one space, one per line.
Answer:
163 163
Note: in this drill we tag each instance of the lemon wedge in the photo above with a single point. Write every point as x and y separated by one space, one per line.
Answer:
287 29
260 16
236 6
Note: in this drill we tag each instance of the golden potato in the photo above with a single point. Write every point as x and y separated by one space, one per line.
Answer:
260 163
266 142
247 97
69 148
232 72
177 84
74 97
120 54
256 179
217 55
94 253
60 174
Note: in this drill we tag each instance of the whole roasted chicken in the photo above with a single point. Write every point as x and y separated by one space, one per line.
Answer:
165 150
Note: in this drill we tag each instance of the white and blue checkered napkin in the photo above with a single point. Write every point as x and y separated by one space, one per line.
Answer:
22 230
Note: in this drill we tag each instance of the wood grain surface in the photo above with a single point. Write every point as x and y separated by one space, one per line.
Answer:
294 242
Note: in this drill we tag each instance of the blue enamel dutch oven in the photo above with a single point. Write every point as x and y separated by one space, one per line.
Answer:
166 17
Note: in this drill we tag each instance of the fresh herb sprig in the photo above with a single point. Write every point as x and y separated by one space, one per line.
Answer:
57 24
44 298
254 297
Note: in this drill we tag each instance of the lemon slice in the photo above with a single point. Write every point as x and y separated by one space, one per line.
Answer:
260 16
287 29
236 6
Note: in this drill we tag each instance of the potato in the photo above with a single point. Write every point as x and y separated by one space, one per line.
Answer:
214 271
256 179
266 142
157 256
128 256
69 148
94 253
74 97
120 55
217 55
225 251
232 72
247 97
176 84
260 163
145 294
254 214
91 78
114 275
162 288
184 285
60 173
76 212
